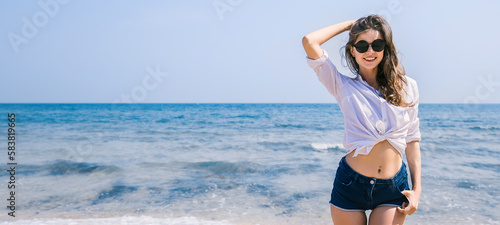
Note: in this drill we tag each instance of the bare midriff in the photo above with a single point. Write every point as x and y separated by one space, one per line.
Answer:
383 161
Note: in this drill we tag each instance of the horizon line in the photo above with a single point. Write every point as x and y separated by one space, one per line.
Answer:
122 103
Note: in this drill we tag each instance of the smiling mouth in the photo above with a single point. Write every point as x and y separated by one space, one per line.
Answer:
370 59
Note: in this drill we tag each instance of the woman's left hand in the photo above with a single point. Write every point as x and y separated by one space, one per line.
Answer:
412 206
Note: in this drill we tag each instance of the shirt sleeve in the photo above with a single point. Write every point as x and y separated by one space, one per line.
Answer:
327 73
414 130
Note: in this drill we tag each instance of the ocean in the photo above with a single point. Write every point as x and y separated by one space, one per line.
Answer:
227 164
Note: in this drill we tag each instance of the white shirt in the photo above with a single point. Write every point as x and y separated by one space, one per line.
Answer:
368 117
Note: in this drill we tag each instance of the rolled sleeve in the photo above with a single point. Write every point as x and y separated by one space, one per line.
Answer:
314 63
327 73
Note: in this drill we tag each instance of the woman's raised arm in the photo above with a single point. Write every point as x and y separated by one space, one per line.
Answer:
312 41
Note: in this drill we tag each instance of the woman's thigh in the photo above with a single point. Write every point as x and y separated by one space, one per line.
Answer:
386 215
343 217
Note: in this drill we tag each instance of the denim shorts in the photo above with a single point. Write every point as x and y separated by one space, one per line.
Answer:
355 192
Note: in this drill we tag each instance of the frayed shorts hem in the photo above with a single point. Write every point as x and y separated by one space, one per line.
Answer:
350 210
362 210
388 205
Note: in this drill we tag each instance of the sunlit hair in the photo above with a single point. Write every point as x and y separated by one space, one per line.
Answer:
391 74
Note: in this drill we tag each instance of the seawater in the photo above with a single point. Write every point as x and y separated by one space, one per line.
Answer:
228 163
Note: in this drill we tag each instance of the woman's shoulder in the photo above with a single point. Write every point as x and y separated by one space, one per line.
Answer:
410 80
411 83
412 88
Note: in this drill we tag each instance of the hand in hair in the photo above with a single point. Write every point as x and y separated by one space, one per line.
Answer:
312 41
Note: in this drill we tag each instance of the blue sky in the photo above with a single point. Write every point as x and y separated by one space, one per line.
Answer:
246 51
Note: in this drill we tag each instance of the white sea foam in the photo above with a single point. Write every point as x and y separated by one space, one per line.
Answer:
326 146
128 220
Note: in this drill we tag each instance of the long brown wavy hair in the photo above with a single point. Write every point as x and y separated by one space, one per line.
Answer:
391 74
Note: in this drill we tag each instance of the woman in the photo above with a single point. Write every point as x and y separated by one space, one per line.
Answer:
380 107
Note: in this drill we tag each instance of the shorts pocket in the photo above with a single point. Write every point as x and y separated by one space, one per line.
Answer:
402 186
343 179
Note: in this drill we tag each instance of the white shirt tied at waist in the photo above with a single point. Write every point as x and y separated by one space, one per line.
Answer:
368 117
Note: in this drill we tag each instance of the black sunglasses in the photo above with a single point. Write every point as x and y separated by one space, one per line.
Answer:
377 45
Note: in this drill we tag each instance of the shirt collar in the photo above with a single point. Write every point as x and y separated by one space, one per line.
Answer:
360 79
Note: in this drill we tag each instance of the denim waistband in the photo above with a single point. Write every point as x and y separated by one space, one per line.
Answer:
364 179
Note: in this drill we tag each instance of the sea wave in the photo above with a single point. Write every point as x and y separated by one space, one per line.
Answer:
484 128
66 167
287 125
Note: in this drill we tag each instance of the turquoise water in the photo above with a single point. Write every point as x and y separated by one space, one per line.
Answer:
229 163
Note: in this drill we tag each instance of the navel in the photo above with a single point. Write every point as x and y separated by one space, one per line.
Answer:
380 169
